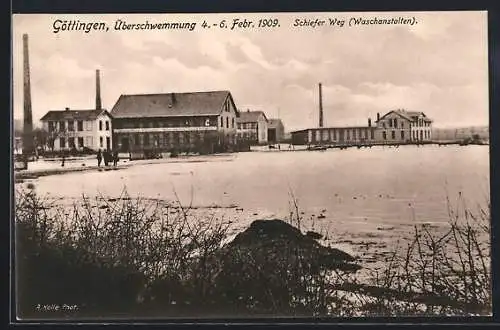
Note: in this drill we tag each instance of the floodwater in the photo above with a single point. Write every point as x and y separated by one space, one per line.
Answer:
353 193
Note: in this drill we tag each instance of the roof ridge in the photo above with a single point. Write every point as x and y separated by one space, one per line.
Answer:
167 93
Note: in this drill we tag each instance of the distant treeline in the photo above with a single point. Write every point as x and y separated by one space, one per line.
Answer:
481 132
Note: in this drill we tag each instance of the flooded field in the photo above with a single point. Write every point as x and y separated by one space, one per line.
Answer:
365 200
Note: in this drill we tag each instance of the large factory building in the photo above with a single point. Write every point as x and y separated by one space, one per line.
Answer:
202 122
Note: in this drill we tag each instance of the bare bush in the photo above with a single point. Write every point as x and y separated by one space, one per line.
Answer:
440 273
135 255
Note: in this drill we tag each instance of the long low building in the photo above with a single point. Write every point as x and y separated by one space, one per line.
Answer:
334 135
397 126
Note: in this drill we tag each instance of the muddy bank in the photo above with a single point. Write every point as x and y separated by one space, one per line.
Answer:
276 239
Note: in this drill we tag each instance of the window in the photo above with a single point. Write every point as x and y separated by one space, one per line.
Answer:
88 141
62 126
101 141
80 125
347 135
354 134
384 135
71 125
232 120
207 122
80 142
402 124
221 121
325 135
62 143
395 123
372 134
137 140
146 139
100 125
402 135
227 122
383 125
393 135
390 122
107 125
88 125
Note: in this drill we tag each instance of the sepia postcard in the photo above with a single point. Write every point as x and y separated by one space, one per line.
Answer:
251 165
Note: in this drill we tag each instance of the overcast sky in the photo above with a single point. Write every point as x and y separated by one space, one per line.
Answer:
438 66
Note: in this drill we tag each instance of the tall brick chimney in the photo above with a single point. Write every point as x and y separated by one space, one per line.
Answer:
98 104
28 143
320 107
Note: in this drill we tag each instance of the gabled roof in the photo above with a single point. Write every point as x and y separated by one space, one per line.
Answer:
274 122
408 115
171 104
250 116
73 114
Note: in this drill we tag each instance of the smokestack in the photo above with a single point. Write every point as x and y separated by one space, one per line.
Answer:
378 116
320 107
369 122
98 104
28 142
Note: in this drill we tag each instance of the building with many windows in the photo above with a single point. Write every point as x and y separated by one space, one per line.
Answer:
252 127
202 122
335 135
395 127
78 129
404 126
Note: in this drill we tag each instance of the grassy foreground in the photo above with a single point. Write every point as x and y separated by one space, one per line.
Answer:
132 257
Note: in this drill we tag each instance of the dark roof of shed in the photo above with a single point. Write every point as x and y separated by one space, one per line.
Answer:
250 116
274 122
333 127
73 114
170 104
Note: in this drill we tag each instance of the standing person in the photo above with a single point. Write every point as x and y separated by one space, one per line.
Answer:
115 157
99 158
106 157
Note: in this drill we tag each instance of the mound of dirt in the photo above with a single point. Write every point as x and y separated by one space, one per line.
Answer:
276 237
